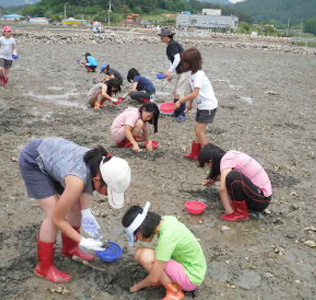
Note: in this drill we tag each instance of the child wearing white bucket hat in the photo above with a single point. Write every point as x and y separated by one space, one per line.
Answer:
61 175
177 262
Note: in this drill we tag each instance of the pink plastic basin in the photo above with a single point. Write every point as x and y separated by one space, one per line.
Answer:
168 107
195 207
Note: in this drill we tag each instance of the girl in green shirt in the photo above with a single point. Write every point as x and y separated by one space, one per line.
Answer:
177 262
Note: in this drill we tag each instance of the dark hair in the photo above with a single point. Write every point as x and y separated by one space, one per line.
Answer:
107 68
148 227
113 82
131 74
152 108
192 57
211 153
87 54
93 159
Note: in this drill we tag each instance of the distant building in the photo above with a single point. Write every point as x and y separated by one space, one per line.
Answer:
208 21
13 17
39 20
211 12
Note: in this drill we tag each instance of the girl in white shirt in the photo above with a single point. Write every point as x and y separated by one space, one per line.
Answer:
203 92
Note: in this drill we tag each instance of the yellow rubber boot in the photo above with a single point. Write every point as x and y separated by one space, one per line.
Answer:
173 292
97 105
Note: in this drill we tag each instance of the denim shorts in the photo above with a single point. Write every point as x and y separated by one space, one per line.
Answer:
205 116
38 184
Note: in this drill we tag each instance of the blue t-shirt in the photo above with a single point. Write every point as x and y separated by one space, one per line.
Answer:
92 61
59 158
144 84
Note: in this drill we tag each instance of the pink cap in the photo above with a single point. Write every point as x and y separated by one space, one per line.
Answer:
6 29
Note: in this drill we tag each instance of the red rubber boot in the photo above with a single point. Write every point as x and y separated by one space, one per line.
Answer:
154 143
195 150
45 267
125 144
240 212
144 100
1 80
173 292
70 248
88 69
5 81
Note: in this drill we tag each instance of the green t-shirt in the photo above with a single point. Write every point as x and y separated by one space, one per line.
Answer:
176 241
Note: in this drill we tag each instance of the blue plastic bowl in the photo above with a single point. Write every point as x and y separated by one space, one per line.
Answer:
111 253
15 56
160 76
78 61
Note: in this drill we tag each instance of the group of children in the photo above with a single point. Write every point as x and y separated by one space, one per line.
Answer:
61 175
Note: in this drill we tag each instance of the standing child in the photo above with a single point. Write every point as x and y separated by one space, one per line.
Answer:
142 88
90 62
177 262
110 73
182 86
130 127
102 92
61 176
7 52
244 184
207 103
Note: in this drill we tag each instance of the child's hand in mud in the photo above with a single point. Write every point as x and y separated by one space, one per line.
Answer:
134 288
136 148
149 146
208 182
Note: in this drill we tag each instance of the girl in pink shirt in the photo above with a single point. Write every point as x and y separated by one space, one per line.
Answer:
244 184
130 127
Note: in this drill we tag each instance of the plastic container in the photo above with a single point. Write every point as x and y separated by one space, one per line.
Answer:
78 61
112 253
15 56
195 207
160 75
168 107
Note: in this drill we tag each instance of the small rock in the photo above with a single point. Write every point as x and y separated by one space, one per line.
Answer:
310 244
312 228
225 228
279 250
14 159
297 281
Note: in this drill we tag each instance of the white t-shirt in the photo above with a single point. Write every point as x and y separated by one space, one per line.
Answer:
206 98
6 47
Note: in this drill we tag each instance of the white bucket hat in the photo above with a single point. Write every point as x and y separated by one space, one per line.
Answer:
140 218
116 173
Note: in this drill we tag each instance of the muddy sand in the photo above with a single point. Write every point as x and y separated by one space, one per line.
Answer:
266 109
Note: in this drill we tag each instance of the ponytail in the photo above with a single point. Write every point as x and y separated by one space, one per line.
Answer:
94 157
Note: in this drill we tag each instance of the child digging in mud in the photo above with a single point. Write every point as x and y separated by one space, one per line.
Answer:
203 92
178 262
89 62
7 54
110 73
131 127
102 92
142 88
244 184
61 176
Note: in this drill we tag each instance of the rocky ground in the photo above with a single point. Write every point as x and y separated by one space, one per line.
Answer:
266 109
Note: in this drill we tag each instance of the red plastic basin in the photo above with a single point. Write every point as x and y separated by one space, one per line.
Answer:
195 207
168 107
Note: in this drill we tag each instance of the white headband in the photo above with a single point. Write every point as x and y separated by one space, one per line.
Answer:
140 218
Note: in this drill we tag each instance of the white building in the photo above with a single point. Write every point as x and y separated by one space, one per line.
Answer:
208 21
211 12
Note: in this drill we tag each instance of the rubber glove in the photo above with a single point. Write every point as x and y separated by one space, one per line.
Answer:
114 100
91 244
125 95
89 224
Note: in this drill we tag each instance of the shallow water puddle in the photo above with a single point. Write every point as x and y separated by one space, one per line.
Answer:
249 100
57 99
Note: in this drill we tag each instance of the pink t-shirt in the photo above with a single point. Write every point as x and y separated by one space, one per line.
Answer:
249 167
128 117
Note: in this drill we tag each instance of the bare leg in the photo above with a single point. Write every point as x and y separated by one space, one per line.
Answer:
146 258
200 133
48 230
6 73
1 71
138 130
93 98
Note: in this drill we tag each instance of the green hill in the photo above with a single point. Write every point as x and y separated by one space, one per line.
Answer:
279 10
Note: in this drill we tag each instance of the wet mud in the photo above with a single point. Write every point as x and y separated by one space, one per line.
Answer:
258 259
